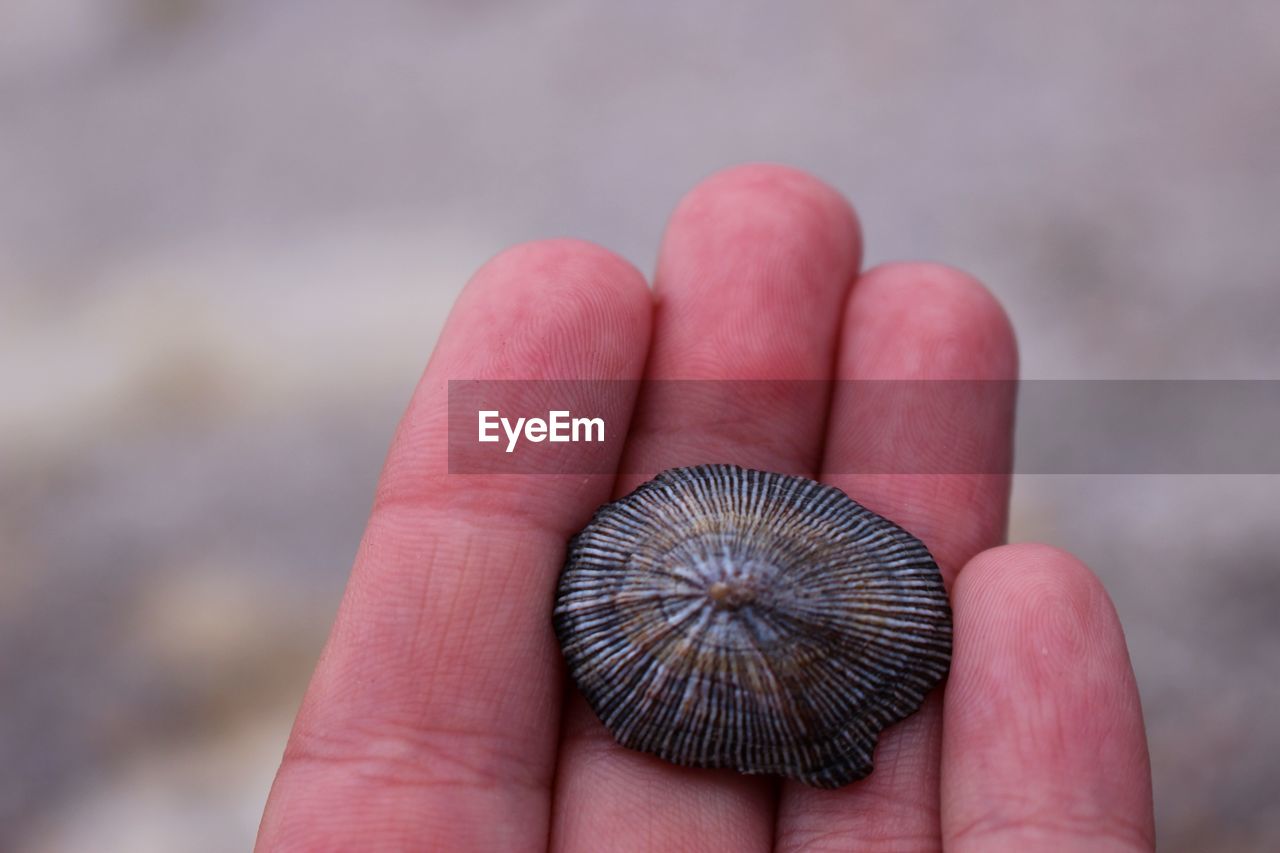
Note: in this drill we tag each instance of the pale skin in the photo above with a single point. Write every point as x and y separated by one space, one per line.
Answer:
438 717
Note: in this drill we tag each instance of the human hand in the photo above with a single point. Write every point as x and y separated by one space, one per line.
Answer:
435 719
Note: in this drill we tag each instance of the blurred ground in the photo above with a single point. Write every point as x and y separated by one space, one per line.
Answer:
229 232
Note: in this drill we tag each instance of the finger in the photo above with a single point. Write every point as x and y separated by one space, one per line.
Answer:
753 270
919 321
912 322
433 713
1044 746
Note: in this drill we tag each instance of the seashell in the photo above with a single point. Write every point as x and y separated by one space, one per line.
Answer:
724 617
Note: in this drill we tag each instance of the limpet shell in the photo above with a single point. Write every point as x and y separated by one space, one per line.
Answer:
724 617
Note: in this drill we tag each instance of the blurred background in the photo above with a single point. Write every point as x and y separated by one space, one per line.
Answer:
230 231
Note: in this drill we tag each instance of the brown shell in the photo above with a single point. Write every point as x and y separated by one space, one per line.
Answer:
724 617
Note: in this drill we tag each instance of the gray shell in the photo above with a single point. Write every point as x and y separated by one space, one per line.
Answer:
723 617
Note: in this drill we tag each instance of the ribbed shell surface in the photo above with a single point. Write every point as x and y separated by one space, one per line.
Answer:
724 617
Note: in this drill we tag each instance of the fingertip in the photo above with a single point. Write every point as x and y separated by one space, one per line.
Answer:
780 183
566 261
556 308
757 202
918 317
1031 619
541 311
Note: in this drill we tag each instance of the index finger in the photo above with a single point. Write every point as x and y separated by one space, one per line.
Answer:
434 710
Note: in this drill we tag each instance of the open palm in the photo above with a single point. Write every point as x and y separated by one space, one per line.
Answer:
438 716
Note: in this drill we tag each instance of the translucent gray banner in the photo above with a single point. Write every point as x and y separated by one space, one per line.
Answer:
871 427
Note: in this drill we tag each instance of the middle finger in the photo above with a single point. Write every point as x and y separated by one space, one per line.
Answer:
752 274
